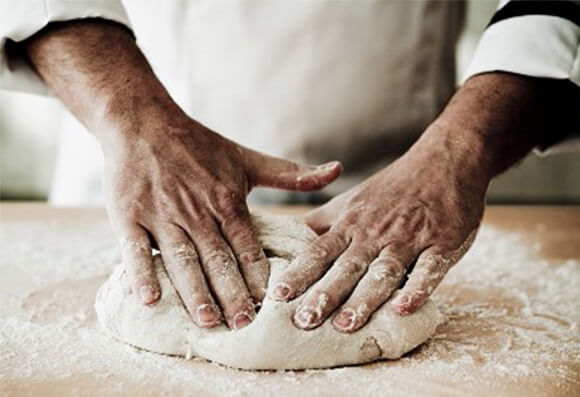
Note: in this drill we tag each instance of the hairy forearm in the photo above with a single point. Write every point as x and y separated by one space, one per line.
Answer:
495 119
96 69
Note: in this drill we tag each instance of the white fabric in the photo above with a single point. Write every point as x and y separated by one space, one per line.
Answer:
22 18
532 45
310 81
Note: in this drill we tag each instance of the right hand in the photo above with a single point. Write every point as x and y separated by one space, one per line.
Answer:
183 187
169 181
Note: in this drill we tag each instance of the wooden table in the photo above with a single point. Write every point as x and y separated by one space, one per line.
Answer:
42 298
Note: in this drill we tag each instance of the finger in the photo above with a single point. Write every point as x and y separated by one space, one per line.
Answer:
309 266
138 261
385 274
336 285
432 265
268 171
239 232
182 264
322 218
224 277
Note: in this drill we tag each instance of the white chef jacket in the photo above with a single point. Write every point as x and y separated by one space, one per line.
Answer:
310 81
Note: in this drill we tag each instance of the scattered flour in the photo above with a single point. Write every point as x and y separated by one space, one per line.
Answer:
512 324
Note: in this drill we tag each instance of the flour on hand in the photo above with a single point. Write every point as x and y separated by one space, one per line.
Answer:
271 341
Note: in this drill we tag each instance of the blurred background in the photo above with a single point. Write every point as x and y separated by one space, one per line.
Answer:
30 129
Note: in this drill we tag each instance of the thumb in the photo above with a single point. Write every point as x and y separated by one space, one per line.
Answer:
268 171
322 218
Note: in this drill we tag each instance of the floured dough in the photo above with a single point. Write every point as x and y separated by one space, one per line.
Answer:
271 341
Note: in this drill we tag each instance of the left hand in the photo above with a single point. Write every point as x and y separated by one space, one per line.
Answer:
417 217
420 215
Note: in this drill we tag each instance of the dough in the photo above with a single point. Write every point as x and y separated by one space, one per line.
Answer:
271 341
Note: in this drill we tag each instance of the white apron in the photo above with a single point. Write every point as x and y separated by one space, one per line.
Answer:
310 81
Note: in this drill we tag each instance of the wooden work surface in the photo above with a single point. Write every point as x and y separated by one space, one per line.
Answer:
40 303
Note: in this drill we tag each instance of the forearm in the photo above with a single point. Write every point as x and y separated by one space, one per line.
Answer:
96 69
495 119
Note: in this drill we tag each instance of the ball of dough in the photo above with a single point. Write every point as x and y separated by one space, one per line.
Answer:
271 341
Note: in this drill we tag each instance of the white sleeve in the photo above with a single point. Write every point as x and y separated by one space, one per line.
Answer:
533 38
23 18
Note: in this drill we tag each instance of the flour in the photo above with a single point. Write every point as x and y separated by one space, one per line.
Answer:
271 341
512 322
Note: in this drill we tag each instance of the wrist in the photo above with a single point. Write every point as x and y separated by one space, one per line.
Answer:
143 113
458 153
99 73
492 122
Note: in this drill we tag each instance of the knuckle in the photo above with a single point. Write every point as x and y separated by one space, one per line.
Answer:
396 251
386 270
394 269
135 252
184 253
252 256
317 252
375 230
418 297
180 271
220 262
352 265
229 202
352 217
413 218
381 226
330 242
437 264
241 234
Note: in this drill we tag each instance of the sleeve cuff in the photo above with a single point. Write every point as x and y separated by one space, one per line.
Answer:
536 40
568 145
531 45
21 19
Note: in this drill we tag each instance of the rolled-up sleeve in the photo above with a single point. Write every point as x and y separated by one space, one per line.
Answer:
23 18
536 39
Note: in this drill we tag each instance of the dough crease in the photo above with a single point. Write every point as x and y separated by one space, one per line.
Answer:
272 341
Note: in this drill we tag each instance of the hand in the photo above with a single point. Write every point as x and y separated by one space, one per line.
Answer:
184 187
171 179
417 217
168 180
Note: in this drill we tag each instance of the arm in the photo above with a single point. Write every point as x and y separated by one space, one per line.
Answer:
168 179
536 39
407 225
21 20
425 208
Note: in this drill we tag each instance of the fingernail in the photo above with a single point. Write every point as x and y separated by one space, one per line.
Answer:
148 294
311 316
305 318
345 319
241 320
400 304
208 315
281 292
328 166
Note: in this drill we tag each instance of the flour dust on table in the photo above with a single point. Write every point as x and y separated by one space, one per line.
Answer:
271 341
